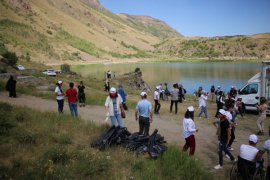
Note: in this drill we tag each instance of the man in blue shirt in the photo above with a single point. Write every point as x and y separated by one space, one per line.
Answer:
144 110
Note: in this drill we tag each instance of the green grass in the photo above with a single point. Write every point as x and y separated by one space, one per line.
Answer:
45 145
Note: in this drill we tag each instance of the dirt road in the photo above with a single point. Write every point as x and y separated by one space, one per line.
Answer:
168 124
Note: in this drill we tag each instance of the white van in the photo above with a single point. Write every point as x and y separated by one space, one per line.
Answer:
256 87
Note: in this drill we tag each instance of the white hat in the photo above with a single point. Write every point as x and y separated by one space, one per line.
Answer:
218 87
228 115
112 90
190 108
60 82
157 87
222 111
253 138
143 93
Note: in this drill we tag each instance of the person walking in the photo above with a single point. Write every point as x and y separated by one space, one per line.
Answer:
189 130
113 107
156 99
11 86
81 94
202 104
123 96
262 107
71 94
59 96
174 98
212 91
224 138
220 102
144 114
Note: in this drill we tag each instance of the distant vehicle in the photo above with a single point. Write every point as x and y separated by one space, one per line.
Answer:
49 72
20 67
256 87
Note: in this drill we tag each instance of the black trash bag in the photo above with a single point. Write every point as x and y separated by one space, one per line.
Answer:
155 146
103 140
135 141
120 135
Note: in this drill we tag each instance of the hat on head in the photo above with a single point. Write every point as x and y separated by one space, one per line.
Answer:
60 82
218 87
222 111
112 90
157 87
253 138
190 108
228 115
143 93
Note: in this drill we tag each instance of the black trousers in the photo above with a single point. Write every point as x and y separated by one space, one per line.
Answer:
157 106
174 102
144 124
60 105
232 136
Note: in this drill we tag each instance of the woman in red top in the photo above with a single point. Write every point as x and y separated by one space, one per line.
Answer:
71 94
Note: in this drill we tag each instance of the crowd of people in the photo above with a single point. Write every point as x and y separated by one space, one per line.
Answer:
228 108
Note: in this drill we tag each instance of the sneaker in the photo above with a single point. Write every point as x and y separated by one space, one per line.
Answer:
218 167
230 148
227 156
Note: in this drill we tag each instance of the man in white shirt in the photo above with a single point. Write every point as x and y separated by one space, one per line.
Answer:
156 99
247 157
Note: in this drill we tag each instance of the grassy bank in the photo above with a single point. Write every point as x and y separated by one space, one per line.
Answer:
44 145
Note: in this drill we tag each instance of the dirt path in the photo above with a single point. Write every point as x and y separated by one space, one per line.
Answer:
168 124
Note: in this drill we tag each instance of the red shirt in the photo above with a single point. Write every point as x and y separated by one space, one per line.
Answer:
71 93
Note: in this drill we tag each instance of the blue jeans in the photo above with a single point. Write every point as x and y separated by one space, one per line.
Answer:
223 147
73 109
117 118
203 110
60 105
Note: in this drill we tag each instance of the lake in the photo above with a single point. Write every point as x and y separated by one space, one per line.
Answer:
190 74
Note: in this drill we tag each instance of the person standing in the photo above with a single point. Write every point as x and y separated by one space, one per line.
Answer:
11 86
266 148
202 104
144 110
262 107
71 94
81 94
212 90
59 96
224 138
174 99
220 102
156 99
113 107
123 96
189 130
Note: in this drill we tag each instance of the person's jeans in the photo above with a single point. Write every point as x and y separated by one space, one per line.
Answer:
222 147
117 118
73 109
144 124
203 110
60 105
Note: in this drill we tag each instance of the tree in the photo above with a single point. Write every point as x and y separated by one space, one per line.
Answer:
11 58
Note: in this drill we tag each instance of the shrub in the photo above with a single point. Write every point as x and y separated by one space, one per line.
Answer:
5 124
65 68
58 155
11 57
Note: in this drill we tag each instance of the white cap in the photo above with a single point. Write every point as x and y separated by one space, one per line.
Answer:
228 115
253 138
60 82
112 90
218 87
157 87
143 93
222 111
190 108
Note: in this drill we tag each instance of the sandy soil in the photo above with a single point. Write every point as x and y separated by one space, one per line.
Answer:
168 124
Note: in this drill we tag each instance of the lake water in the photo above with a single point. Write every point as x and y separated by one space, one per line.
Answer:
190 74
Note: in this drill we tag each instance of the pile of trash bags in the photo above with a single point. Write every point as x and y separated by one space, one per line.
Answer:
153 144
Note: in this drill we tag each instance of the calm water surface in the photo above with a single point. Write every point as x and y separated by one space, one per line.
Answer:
190 74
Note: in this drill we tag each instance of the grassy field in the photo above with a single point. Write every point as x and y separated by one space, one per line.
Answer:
44 145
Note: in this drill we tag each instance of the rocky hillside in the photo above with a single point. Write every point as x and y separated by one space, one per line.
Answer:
79 31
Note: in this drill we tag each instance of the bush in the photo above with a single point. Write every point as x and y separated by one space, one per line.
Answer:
11 57
65 68
58 155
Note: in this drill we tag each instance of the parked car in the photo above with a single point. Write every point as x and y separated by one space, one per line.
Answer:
20 67
49 72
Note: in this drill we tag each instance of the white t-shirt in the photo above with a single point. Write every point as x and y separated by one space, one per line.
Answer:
109 105
59 95
202 100
248 152
189 127
156 95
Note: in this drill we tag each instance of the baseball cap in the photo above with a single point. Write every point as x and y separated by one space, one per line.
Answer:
60 82
112 90
190 108
218 87
253 138
143 93
222 111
